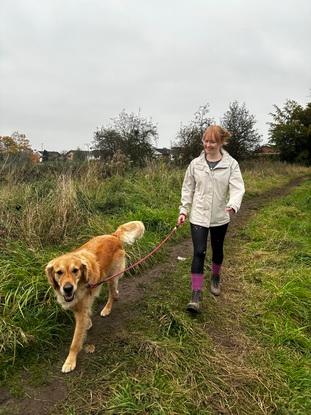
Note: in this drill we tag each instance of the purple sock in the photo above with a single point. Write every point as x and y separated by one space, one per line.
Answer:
197 281
216 268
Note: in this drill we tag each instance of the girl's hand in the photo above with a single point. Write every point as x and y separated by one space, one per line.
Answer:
231 211
181 219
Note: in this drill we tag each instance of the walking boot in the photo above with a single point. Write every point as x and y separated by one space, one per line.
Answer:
215 284
194 305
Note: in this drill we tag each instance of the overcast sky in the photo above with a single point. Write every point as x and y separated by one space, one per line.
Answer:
68 66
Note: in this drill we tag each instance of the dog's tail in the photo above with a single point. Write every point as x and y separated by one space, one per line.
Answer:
129 232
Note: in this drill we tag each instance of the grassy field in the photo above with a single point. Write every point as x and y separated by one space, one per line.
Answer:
43 219
174 364
249 354
278 280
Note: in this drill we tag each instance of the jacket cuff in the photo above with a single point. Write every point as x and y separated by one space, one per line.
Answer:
234 207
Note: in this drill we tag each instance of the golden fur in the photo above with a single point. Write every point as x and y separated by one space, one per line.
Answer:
70 273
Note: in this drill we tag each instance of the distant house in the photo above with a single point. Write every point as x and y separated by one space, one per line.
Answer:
162 153
76 154
267 150
176 153
82 155
50 155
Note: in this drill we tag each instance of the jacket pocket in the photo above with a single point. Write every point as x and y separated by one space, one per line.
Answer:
219 214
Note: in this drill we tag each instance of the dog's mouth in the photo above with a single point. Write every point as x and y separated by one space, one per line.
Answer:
69 298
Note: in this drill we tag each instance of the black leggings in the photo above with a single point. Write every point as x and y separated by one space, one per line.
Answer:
199 239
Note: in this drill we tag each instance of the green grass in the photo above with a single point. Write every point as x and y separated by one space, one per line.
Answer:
42 220
29 314
265 175
155 368
278 279
177 364
167 366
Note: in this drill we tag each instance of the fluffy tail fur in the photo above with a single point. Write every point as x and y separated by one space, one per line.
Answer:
129 232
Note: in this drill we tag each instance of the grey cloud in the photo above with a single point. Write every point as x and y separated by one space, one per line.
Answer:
70 66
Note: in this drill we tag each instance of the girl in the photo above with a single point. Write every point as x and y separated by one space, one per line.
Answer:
213 189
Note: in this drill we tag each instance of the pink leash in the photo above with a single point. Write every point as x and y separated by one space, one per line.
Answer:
140 261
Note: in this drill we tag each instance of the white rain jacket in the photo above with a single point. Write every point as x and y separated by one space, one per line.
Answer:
206 193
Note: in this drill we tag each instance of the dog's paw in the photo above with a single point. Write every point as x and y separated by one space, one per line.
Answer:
69 365
105 311
89 348
90 324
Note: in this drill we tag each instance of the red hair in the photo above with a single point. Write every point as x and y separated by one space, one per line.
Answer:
217 133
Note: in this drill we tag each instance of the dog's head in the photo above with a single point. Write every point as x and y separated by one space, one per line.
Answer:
64 274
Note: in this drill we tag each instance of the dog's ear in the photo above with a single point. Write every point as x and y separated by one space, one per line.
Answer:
49 270
90 272
84 271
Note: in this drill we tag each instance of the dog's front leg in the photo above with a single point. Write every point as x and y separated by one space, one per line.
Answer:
82 323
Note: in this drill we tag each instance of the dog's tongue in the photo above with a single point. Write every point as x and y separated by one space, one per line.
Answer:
68 299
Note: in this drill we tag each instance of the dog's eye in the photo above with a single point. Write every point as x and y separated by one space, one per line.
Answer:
59 272
75 270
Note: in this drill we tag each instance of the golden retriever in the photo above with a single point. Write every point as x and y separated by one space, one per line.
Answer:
70 275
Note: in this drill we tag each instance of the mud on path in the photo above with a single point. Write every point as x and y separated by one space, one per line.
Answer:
227 337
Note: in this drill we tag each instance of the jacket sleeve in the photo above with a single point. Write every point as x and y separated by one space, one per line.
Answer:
236 188
187 191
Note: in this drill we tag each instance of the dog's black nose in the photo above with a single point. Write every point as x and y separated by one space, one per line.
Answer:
68 288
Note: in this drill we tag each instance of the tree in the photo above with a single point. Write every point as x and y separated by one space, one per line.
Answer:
15 148
290 131
244 137
189 137
45 156
108 141
131 134
14 144
79 155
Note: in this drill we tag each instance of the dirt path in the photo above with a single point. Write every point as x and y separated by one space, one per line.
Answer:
226 337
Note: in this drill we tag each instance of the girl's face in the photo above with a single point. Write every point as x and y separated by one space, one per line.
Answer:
211 146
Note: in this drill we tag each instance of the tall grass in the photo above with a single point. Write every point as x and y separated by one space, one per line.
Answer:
262 175
28 311
43 219
44 216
